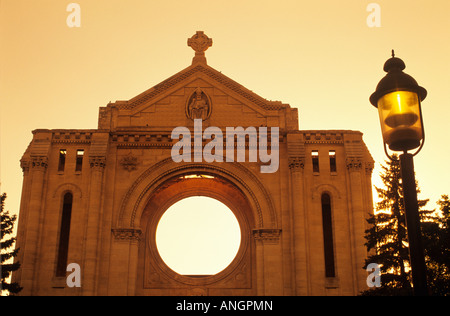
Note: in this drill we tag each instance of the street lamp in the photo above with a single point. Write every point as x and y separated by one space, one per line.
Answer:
398 98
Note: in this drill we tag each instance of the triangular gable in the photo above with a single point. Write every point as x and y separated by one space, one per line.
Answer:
185 76
198 90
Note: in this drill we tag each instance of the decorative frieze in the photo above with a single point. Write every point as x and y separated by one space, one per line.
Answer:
142 140
72 136
323 137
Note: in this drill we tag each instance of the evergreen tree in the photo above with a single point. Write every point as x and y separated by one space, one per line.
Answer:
7 225
387 241
436 235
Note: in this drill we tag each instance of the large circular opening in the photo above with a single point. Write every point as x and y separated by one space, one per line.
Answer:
198 236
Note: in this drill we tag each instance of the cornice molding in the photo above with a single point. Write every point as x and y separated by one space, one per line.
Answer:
211 73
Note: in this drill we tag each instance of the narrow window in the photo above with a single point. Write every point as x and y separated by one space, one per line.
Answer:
332 155
63 248
62 159
315 160
328 236
80 154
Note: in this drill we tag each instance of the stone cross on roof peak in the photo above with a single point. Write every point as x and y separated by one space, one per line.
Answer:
199 42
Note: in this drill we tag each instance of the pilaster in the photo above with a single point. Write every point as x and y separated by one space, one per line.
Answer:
356 168
296 160
36 168
97 162
132 236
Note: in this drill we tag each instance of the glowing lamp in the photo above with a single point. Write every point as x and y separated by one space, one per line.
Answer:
398 99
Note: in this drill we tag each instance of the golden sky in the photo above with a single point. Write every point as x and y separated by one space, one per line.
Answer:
318 56
198 249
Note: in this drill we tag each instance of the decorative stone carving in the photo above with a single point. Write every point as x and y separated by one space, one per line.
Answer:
268 235
129 162
39 162
97 162
199 43
198 105
127 234
296 163
369 168
354 163
25 165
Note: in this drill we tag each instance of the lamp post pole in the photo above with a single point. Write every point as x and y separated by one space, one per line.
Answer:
416 254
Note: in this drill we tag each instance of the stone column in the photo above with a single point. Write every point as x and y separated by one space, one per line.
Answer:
92 243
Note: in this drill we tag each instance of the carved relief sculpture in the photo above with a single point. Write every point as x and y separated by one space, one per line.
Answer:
198 105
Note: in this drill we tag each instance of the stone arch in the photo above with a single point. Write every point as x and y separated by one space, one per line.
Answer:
325 188
135 200
66 187
155 273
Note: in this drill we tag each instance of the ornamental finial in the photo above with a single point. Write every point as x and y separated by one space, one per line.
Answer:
199 43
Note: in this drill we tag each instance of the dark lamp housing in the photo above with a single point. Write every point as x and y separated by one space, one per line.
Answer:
398 99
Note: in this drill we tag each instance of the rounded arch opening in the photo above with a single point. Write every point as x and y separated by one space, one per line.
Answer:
158 195
198 236
135 201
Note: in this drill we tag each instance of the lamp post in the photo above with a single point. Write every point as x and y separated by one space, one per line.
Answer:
398 99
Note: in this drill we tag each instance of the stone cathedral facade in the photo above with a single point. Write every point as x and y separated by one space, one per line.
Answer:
94 196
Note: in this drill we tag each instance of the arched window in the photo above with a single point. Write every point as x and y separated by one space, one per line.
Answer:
63 248
328 236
